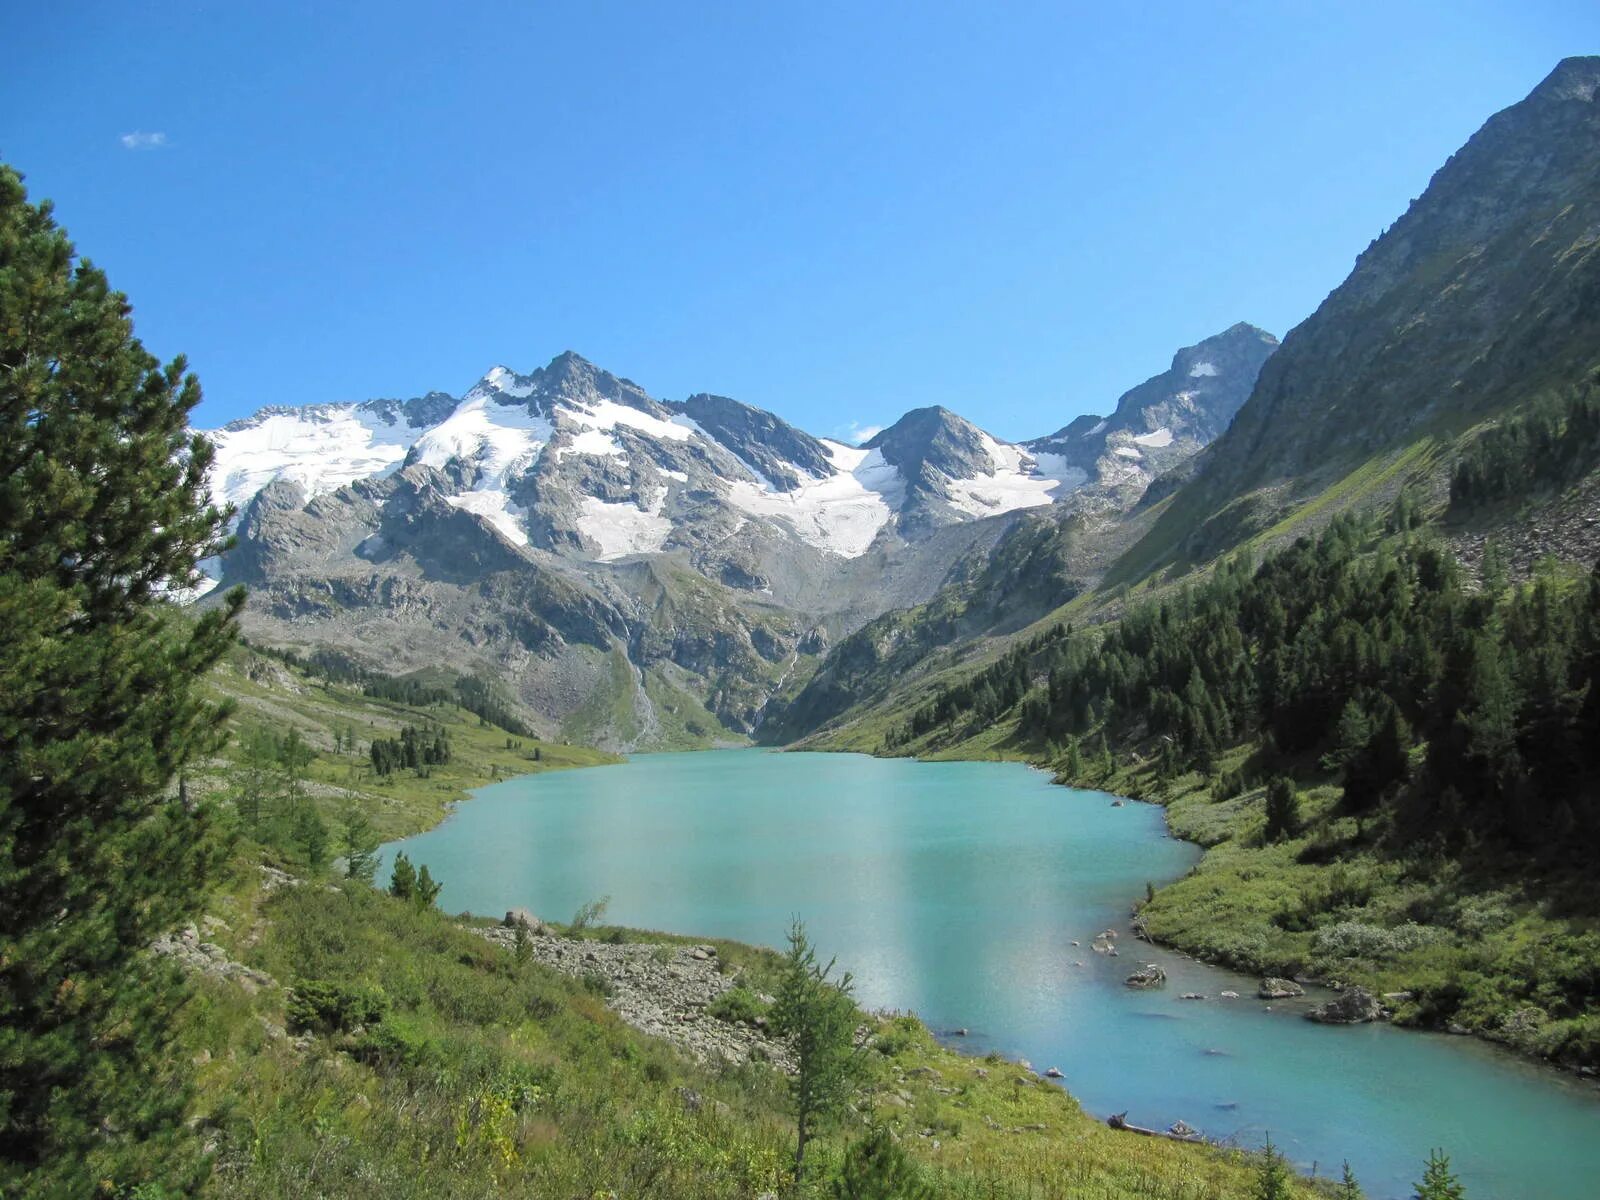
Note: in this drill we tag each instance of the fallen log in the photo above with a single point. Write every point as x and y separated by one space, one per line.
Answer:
1120 1121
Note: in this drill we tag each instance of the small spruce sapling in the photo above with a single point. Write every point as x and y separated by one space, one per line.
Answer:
876 1168
1272 1175
1438 1181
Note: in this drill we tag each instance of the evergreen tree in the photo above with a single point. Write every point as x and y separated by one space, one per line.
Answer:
360 847
427 891
403 878
876 1168
255 783
1272 1175
311 835
102 510
1438 1183
1283 810
1074 764
818 1017
1349 1189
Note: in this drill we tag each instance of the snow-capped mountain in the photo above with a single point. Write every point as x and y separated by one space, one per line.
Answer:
1168 417
572 458
641 571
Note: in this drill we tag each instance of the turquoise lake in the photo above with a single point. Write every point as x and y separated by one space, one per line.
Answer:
958 890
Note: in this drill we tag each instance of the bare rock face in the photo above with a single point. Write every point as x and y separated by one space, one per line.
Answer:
1487 276
187 947
1273 988
1354 1006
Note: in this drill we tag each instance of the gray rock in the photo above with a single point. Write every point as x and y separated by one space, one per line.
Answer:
1353 1006
1274 988
1148 976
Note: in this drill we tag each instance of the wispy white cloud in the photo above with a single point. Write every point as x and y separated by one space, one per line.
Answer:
140 140
855 433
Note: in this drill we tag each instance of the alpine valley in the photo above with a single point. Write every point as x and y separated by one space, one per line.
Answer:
1330 602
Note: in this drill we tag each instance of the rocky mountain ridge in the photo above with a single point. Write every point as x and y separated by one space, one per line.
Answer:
643 571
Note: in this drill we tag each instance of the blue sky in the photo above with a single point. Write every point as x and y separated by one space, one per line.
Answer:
834 211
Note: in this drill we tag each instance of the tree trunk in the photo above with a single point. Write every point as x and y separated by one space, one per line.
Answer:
800 1149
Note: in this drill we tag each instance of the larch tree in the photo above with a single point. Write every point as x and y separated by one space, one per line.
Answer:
103 515
816 1013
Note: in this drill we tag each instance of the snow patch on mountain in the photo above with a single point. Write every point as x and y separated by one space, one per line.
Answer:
1016 483
841 513
1202 368
1155 440
1056 466
622 529
495 507
497 438
321 449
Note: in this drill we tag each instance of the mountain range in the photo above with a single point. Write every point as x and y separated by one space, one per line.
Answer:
646 572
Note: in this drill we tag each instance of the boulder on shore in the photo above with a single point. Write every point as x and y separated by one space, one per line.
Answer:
1148 976
1354 1006
1273 988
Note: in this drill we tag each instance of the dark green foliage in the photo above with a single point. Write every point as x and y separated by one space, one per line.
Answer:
319 1006
1355 649
1283 810
102 507
415 749
1349 1189
1548 444
406 882
1438 1183
1273 1179
403 878
818 1017
875 1168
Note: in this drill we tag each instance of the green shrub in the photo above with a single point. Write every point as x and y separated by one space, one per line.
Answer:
320 1006
393 1042
737 1004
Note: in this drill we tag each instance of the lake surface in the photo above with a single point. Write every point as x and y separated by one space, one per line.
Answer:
958 890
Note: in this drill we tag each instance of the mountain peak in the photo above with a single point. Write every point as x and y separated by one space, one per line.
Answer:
1576 78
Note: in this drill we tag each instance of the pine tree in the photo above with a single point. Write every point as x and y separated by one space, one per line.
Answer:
1272 1175
1074 765
1349 1189
1283 810
1438 1183
102 510
818 1017
403 878
876 1168
427 891
311 835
